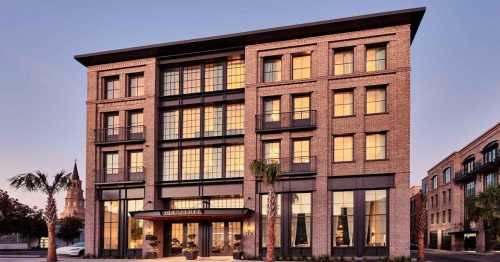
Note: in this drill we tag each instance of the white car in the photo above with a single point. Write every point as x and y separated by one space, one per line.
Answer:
77 249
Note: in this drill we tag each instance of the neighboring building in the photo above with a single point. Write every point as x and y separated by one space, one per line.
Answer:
415 200
74 203
172 129
454 180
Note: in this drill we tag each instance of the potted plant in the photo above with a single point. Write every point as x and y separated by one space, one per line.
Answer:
237 252
191 251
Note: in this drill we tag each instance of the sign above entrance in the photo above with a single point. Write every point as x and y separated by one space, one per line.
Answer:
201 214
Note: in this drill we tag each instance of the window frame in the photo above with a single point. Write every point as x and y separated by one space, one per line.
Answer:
376 46
116 87
343 92
386 153
343 136
372 88
293 69
137 76
277 75
342 50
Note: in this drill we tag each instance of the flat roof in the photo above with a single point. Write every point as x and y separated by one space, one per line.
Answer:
237 41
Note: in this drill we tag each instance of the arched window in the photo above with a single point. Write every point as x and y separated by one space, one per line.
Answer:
490 152
468 164
447 175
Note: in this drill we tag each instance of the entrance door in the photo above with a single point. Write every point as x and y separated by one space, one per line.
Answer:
470 241
225 238
180 235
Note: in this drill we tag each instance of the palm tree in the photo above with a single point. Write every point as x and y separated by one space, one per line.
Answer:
268 172
421 225
484 208
38 181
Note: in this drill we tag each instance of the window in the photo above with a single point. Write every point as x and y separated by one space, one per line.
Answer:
301 220
112 124
135 162
437 218
272 69
111 224
135 226
470 189
111 87
191 123
443 217
186 204
375 100
301 107
376 217
301 150
111 163
375 58
490 154
213 77
343 103
432 218
191 79
277 220
436 198
301 67
235 161
449 215
226 202
136 84
272 151
136 122
343 148
235 119
170 124
171 82
490 180
444 197
212 162
343 61
469 165
170 165
191 164
235 74
447 175
343 219
272 109
213 121
449 195
434 182
376 147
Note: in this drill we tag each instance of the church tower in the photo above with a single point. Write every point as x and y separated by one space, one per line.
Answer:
74 204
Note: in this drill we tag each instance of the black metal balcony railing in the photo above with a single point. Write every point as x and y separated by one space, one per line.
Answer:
119 134
482 166
107 175
286 121
296 165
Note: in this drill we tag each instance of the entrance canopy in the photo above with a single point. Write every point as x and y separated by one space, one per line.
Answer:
193 215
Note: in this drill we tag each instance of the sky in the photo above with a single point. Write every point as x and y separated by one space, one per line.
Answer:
454 83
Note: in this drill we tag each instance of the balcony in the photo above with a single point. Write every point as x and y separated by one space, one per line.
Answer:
480 167
119 135
286 121
296 166
119 175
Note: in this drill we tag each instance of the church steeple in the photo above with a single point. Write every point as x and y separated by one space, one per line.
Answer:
74 204
74 175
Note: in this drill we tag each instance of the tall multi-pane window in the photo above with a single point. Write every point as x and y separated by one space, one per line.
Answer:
301 148
376 217
112 124
135 226
490 155
343 60
272 109
136 122
111 87
343 148
170 82
191 164
301 67
301 107
235 73
272 151
490 180
437 218
443 217
235 119
470 189
110 224
375 100
277 220
213 121
301 220
235 160
136 84
213 77
449 215
469 165
376 146
191 79
343 103
343 219
272 69
212 162
447 175
375 58
170 165
191 123
135 162
434 182
170 124
111 163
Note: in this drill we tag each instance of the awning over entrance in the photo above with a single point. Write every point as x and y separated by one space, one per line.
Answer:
188 215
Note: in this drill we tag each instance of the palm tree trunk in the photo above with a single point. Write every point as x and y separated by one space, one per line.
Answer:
271 214
420 252
50 219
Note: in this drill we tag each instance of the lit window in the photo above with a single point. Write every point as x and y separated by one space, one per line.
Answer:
272 69
186 204
135 162
212 162
213 121
343 219
136 84
191 164
191 79
343 148
235 119
136 122
272 151
110 224
235 74
375 100
301 220
191 123
111 87
235 161
170 124
376 146
301 150
375 58
343 103
171 82
277 221
301 107
111 163
170 165
272 109
301 67
344 61
226 202
213 77
135 226
112 124
376 217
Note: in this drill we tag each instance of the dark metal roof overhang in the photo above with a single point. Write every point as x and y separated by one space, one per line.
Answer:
236 41
188 215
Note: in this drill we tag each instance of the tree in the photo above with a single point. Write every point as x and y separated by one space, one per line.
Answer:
420 225
69 229
268 172
38 182
485 208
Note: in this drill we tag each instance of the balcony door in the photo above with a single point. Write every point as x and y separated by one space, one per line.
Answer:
301 111
272 112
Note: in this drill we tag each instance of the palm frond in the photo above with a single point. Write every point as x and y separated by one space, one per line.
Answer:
27 181
61 181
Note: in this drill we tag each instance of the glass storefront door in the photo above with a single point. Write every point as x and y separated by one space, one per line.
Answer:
225 238
180 235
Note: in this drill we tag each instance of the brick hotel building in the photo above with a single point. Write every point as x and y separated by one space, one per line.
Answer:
172 129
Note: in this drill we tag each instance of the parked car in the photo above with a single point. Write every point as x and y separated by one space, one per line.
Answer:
77 249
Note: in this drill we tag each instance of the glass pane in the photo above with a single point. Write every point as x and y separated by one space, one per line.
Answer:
235 74
135 226
191 164
301 151
212 165
217 237
376 217
170 165
301 220
235 156
191 123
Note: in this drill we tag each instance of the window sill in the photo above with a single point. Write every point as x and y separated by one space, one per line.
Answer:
376 114
286 82
119 99
376 160
343 162
341 117
362 74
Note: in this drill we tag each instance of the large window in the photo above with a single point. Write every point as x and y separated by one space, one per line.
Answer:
135 226
170 124
136 84
301 67
186 203
490 180
434 182
213 121
226 202
343 148
301 220
375 58
376 146
171 82
272 69
191 123
343 219
111 163
235 119
490 154
235 74
235 160
447 175
135 162
375 100
170 165
470 189
344 61
277 221
110 225
112 124
301 151
111 87
191 80
191 164
212 162
136 122
213 77
272 151
301 107
469 164
343 103
272 109
376 217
